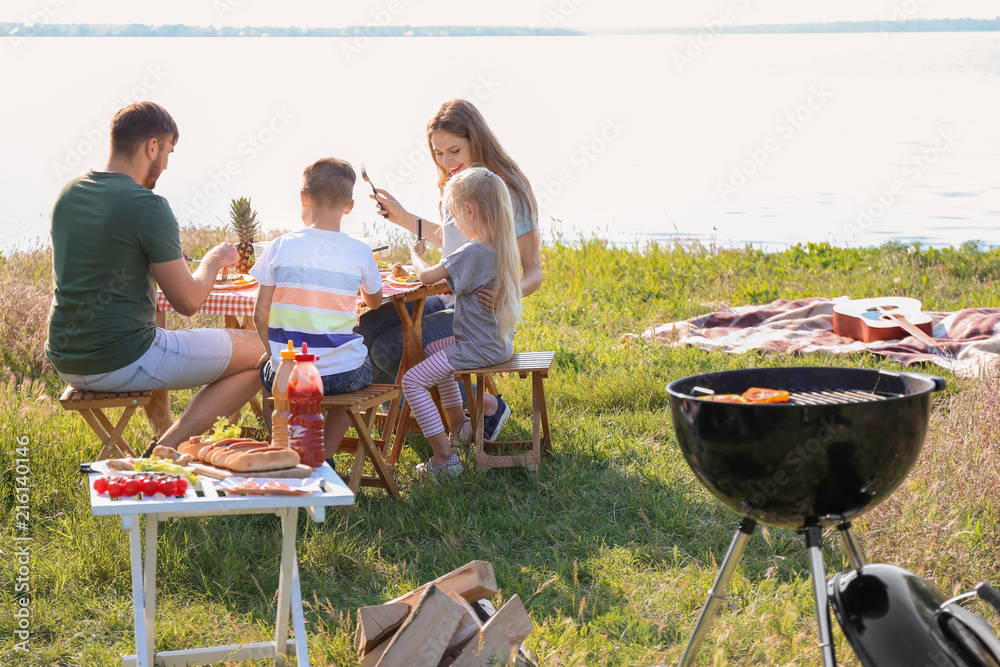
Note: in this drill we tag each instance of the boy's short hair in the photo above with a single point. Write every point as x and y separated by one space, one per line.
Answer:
329 182
135 124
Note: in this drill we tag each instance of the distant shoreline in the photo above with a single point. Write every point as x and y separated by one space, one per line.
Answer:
719 25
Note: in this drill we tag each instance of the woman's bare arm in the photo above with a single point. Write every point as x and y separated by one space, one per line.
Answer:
393 211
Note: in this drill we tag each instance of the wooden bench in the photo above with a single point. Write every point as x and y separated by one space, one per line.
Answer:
91 404
535 364
361 407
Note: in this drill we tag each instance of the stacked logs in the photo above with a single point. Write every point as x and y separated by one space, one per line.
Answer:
446 622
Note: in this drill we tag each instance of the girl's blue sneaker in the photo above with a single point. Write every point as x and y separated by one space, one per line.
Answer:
492 424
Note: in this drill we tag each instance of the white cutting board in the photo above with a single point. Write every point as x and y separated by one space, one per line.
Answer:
298 472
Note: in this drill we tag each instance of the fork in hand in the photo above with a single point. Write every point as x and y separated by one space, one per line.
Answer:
364 175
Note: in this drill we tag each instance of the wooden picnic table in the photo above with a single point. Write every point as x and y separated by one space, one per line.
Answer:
237 306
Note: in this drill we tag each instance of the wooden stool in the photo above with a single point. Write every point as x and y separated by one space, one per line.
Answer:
537 364
361 407
91 405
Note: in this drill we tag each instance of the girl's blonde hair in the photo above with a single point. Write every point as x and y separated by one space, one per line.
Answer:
461 118
488 195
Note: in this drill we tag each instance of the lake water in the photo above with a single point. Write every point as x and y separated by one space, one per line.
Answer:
854 139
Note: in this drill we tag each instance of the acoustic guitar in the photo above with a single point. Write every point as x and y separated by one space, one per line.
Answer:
882 318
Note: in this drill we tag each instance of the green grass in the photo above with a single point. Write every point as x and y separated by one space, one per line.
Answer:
611 545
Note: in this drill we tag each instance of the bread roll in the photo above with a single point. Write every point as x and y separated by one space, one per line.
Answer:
206 449
168 453
218 457
203 449
213 454
127 463
267 458
190 447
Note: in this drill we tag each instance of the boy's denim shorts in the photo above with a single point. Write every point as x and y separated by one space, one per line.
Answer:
336 383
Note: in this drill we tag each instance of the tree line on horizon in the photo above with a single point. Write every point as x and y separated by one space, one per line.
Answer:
177 30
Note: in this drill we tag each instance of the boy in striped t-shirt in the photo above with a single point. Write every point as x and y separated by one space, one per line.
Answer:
309 284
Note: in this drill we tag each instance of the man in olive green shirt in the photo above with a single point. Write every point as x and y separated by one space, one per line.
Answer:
113 240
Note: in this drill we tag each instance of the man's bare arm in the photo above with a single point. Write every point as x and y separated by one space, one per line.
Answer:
187 291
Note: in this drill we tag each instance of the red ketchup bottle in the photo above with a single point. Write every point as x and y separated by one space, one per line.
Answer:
305 424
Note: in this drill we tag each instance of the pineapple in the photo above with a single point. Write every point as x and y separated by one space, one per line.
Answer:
246 227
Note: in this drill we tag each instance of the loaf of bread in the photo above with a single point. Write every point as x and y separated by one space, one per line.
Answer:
263 459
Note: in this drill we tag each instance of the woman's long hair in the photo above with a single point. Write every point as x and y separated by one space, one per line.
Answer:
495 217
461 118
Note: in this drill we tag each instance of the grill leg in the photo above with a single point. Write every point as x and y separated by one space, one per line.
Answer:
851 548
718 590
814 545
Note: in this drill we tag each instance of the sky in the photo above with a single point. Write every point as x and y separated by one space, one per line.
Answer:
572 14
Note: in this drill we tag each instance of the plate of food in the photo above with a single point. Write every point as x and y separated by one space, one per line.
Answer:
235 281
400 276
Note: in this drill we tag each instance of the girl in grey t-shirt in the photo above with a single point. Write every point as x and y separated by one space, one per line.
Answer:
482 207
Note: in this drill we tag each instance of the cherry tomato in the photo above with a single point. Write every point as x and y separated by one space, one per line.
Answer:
167 487
131 487
101 484
758 395
180 487
149 487
114 490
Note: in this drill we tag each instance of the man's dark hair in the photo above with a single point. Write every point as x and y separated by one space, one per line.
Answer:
135 124
329 182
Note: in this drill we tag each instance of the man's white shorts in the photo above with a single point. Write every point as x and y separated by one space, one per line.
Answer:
180 359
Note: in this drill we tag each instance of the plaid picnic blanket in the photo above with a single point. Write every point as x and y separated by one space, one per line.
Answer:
805 326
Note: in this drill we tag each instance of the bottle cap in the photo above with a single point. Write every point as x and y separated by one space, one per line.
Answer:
289 353
304 355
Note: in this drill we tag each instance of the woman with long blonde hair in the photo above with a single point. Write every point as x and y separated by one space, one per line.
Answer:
482 336
458 138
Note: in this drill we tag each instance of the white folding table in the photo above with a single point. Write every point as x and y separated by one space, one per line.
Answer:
205 500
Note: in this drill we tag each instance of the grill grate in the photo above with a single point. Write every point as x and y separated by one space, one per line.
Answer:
832 396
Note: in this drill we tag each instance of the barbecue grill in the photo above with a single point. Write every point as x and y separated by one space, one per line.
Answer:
841 445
